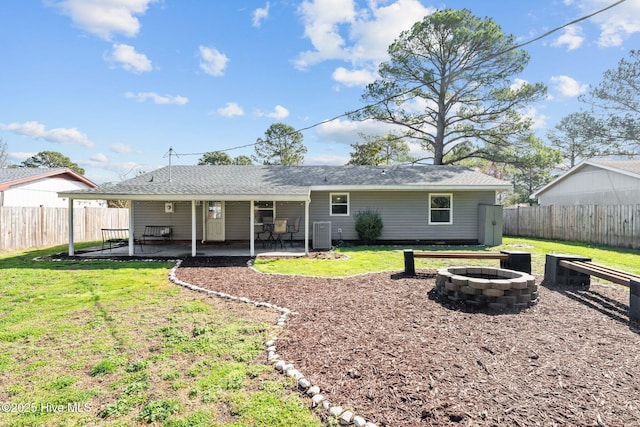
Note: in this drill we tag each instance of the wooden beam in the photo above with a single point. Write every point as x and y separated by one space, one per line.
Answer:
466 255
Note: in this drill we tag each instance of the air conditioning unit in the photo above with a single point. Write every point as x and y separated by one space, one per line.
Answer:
322 235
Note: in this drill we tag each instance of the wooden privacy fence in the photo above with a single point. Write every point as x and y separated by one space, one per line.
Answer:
613 225
27 227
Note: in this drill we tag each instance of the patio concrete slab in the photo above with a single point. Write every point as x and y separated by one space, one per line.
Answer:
183 250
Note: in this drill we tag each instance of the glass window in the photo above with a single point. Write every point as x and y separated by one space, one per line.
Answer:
214 210
440 209
339 203
264 212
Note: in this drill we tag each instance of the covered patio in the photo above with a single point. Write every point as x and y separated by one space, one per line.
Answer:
183 250
204 213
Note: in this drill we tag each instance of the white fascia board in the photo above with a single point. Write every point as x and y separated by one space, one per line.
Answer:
613 169
188 197
410 187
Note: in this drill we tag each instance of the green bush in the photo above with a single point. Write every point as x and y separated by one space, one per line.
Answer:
368 226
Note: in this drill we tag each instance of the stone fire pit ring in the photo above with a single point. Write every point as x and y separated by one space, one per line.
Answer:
496 288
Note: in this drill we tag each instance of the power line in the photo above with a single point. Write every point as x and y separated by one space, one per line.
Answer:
405 92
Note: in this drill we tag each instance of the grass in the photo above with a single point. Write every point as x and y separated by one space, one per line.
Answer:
116 344
364 259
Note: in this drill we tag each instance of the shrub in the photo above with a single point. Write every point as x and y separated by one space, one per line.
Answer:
368 226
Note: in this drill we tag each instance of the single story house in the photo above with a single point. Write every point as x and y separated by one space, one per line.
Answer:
33 187
594 182
204 203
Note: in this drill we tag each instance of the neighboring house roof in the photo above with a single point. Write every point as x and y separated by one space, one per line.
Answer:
287 182
14 176
624 167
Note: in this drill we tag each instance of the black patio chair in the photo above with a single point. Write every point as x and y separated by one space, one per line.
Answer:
293 229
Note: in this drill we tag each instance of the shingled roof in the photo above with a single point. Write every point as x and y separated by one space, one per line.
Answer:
288 182
14 176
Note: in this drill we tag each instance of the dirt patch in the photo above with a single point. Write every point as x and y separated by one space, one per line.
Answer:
381 345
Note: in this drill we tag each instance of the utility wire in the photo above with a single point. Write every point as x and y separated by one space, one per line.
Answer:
405 92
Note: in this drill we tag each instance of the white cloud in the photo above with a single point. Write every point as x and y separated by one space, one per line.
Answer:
20 156
339 30
120 148
231 109
568 86
106 18
322 20
260 15
326 159
348 132
129 59
157 99
518 83
378 28
572 38
212 61
58 135
353 77
539 121
278 113
99 158
616 24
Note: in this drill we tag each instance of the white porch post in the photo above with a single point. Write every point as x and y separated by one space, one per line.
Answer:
252 249
70 210
132 244
306 227
193 228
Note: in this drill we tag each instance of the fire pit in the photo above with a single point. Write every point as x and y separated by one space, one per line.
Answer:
495 288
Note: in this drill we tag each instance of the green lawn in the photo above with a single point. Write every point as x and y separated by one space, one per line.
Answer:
116 344
363 259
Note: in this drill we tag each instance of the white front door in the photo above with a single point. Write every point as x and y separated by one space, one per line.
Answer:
215 221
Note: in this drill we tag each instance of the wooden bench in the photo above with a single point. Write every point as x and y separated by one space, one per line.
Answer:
114 237
602 271
573 270
512 260
156 233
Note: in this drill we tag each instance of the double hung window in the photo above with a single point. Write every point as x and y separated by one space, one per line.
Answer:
339 204
440 208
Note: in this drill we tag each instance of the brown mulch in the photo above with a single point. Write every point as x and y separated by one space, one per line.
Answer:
381 345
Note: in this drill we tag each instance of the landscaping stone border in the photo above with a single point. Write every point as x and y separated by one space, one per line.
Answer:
313 392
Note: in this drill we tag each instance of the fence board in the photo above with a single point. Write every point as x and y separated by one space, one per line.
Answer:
27 227
613 225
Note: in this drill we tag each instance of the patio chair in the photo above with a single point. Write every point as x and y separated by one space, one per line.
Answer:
264 228
279 229
293 229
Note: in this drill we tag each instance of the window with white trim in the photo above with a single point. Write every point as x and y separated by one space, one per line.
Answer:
262 210
339 204
441 208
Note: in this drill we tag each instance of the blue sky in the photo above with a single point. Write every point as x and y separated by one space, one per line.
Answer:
113 84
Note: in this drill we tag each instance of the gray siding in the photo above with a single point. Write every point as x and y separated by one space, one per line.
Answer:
593 186
404 216
152 213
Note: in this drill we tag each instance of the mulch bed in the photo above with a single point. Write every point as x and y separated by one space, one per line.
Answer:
382 345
